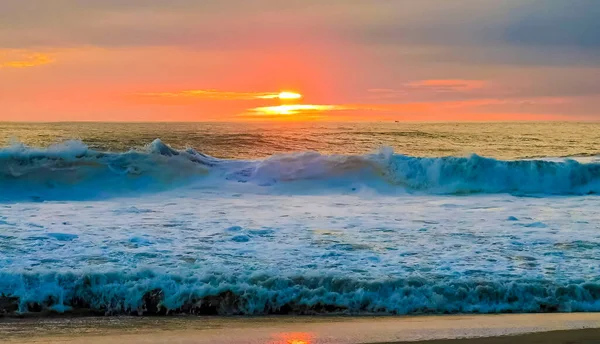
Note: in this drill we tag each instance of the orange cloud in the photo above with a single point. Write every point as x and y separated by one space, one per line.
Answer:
21 59
223 95
295 112
294 109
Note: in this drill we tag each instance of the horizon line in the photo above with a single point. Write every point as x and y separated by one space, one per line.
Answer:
317 121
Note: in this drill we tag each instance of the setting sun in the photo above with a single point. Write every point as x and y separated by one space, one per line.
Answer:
289 95
283 95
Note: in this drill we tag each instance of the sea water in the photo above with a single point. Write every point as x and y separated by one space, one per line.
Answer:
311 218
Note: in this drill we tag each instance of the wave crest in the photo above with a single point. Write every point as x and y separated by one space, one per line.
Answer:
73 170
149 292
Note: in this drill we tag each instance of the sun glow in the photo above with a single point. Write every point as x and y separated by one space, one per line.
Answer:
224 95
293 109
293 338
283 95
289 95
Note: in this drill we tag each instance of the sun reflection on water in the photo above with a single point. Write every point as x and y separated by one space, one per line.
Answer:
293 338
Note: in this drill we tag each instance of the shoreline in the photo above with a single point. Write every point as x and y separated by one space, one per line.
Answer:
457 329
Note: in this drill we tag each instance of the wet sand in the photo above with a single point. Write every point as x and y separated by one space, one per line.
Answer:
480 329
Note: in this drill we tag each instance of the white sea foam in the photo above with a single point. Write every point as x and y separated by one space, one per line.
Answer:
216 251
179 231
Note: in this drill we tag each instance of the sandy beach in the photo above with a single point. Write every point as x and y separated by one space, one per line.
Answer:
481 329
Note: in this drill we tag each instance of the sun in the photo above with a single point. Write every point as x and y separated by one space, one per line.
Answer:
289 95
283 95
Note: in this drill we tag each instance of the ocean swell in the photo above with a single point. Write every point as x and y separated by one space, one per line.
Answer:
149 292
71 171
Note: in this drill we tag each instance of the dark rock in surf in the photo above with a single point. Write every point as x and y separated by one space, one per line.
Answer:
152 303
225 303
8 304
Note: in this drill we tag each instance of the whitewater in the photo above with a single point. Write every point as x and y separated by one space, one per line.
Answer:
161 230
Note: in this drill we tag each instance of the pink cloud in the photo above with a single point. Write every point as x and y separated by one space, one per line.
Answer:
448 85
432 86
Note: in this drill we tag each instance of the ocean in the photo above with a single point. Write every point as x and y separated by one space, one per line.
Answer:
299 218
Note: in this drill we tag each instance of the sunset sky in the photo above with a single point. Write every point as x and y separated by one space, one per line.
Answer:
191 60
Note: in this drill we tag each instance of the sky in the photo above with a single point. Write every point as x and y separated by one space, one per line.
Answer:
359 60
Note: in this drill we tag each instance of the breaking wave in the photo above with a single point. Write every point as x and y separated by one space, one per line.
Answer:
148 292
71 170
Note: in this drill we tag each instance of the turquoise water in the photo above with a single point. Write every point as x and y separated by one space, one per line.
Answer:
358 219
